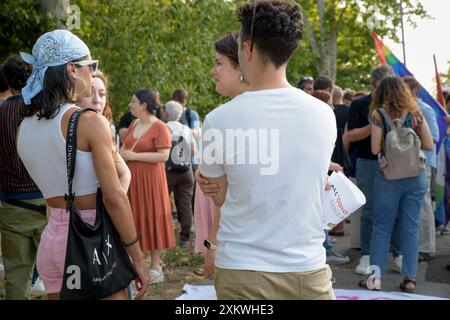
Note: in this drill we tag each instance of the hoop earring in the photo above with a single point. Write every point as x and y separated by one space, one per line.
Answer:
84 84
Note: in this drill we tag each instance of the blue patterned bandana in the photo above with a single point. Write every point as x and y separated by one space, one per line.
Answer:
52 49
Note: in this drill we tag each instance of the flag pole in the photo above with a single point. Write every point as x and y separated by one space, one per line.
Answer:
403 33
440 94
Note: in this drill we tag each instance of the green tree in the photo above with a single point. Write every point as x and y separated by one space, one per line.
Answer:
338 34
166 44
22 22
163 44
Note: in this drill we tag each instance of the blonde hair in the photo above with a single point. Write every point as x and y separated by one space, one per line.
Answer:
107 112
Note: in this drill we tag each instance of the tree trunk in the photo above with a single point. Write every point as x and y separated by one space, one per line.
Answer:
332 63
323 46
57 8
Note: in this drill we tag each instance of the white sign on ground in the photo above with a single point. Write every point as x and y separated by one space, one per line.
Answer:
207 292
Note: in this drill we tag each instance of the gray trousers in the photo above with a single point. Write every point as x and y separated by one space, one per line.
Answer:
427 242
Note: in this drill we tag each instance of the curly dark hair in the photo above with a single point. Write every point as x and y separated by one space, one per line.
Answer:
277 28
16 72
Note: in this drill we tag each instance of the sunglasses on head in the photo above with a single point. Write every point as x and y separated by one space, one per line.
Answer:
252 28
92 64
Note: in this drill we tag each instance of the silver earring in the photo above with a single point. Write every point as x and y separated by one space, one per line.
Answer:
241 78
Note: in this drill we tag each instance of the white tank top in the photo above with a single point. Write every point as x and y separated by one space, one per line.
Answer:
42 148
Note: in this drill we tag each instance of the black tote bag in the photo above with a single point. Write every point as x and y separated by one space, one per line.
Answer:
97 264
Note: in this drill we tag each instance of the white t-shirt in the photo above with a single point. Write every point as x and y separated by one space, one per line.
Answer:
271 220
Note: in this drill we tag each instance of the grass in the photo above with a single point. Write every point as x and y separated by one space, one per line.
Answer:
182 257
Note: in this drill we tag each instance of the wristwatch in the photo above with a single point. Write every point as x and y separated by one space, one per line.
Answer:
209 245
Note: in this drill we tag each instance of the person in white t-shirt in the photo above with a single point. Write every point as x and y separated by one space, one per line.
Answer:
268 151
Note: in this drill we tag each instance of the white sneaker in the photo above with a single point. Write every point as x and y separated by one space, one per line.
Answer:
364 265
398 263
38 287
156 276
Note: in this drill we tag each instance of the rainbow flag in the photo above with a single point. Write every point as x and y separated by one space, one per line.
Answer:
443 146
387 57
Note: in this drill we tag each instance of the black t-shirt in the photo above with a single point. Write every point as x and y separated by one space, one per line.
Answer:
358 117
125 121
341 114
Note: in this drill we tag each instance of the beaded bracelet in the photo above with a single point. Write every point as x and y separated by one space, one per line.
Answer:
126 245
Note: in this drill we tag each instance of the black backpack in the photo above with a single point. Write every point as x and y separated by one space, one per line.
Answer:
179 158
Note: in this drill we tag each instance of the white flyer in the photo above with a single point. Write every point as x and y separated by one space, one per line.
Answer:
342 200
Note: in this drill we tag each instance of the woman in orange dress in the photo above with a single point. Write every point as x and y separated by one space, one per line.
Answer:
146 148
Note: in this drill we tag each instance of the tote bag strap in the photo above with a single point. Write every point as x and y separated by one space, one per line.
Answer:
71 153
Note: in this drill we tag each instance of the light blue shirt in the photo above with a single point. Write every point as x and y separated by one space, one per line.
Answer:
430 117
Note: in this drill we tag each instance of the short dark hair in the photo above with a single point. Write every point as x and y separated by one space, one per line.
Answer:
323 83
16 72
3 84
303 81
148 96
180 95
277 28
228 47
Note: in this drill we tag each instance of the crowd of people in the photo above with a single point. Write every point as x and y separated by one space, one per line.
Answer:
398 215
261 234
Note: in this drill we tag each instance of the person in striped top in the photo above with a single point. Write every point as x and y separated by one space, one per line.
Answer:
22 211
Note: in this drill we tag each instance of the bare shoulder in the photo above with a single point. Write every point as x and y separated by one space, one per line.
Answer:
93 122
93 128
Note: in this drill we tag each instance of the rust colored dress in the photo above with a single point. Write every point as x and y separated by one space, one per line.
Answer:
148 193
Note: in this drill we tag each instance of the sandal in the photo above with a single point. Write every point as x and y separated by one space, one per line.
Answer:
376 284
408 289
424 257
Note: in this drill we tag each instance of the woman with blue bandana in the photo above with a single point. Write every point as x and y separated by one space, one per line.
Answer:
62 74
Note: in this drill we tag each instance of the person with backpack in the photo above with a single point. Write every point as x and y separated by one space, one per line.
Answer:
399 133
180 178
365 165
190 118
